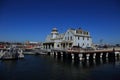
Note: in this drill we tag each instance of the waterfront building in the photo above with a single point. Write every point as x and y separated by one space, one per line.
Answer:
72 37
32 45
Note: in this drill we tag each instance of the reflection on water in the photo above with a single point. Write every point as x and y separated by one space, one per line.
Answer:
51 68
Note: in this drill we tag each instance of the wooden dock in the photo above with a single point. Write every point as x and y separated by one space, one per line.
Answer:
85 54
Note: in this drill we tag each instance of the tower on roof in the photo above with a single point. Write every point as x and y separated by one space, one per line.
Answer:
54 32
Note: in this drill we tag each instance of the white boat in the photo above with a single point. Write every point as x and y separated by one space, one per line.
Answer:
39 52
11 53
28 51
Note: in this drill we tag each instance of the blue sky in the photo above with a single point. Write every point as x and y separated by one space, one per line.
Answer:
22 20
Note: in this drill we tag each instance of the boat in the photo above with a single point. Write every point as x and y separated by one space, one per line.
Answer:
28 51
11 53
39 52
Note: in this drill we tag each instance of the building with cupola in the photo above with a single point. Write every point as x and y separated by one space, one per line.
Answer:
72 37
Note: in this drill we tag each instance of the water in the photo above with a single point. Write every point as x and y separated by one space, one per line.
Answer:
49 68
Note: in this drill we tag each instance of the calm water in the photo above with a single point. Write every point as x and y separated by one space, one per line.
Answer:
48 68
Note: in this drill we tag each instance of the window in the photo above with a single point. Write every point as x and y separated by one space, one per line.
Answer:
78 45
71 38
87 44
83 38
68 38
87 38
87 33
78 37
65 38
83 44
84 33
79 31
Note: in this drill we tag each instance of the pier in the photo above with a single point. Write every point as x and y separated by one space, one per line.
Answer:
87 55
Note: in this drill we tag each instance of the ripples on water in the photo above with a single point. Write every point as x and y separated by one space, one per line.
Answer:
49 68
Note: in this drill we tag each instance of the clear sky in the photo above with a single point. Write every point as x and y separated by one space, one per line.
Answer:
22 20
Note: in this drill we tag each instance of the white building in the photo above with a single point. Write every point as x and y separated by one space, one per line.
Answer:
72 37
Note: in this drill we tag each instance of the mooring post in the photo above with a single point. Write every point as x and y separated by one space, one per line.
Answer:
61 53
72 56
64 55
51 53
107 55
101 54
116 53
87 56
94 55
56 53
80 56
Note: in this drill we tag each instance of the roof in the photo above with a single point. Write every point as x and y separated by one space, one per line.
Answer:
79 32
75 32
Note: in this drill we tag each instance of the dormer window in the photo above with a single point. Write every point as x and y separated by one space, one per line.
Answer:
68 38
87 33
78 37
84 33
71 37
79 31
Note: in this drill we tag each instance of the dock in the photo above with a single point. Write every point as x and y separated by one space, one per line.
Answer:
79 55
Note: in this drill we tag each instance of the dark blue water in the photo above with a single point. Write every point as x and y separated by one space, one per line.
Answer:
49 68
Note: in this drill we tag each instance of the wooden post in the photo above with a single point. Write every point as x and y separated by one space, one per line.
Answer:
72 56
87 56
80 56
101 54
61 53
106 55
52 53
94 55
